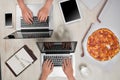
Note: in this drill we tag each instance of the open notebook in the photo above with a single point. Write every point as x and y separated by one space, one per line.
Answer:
19 61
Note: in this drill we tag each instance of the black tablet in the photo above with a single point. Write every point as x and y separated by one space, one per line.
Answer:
70 10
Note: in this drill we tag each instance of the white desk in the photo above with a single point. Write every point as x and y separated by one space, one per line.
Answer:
74 31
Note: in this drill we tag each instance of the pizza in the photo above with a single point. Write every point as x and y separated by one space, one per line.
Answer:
103 45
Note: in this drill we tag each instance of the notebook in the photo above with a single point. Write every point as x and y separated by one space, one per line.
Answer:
21 60
57 54
35 30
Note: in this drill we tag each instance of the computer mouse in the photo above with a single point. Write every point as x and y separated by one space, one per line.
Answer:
84 71
11 36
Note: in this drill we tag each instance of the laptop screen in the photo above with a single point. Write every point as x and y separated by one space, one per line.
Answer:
20 24
57 47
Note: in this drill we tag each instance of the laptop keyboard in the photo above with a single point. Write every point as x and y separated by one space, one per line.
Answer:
35 23
57 60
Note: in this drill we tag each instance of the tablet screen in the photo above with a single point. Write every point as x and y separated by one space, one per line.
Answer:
8 19
70 10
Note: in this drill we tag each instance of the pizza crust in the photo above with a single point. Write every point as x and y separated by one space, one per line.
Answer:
103 45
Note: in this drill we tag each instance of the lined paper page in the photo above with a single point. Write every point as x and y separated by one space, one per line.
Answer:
20 61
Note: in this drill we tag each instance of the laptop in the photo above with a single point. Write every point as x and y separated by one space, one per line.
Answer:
57 52
36 29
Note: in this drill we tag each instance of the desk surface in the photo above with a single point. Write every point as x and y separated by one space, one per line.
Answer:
73 31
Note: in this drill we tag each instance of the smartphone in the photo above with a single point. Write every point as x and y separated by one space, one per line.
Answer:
8 20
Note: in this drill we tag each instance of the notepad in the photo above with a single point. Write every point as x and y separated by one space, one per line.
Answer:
18 62
91 3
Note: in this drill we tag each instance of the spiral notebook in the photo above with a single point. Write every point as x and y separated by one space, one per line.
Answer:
21 60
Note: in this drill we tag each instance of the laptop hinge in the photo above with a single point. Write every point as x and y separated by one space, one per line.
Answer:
35 30
57 53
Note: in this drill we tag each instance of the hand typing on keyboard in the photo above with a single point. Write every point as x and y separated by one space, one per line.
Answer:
67 68
26 12
42 13
47 68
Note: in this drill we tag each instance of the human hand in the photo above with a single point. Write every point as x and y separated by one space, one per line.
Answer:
67 68
43 14
47 68
27 14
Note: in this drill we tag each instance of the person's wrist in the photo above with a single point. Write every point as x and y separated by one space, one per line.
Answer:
48 4
70 77
43 76
46 7
22 6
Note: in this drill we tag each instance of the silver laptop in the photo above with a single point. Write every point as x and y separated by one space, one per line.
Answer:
36 29
57 52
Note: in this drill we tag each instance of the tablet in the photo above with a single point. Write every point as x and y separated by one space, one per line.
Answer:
70 10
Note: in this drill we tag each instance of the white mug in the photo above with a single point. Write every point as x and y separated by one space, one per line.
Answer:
84 71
